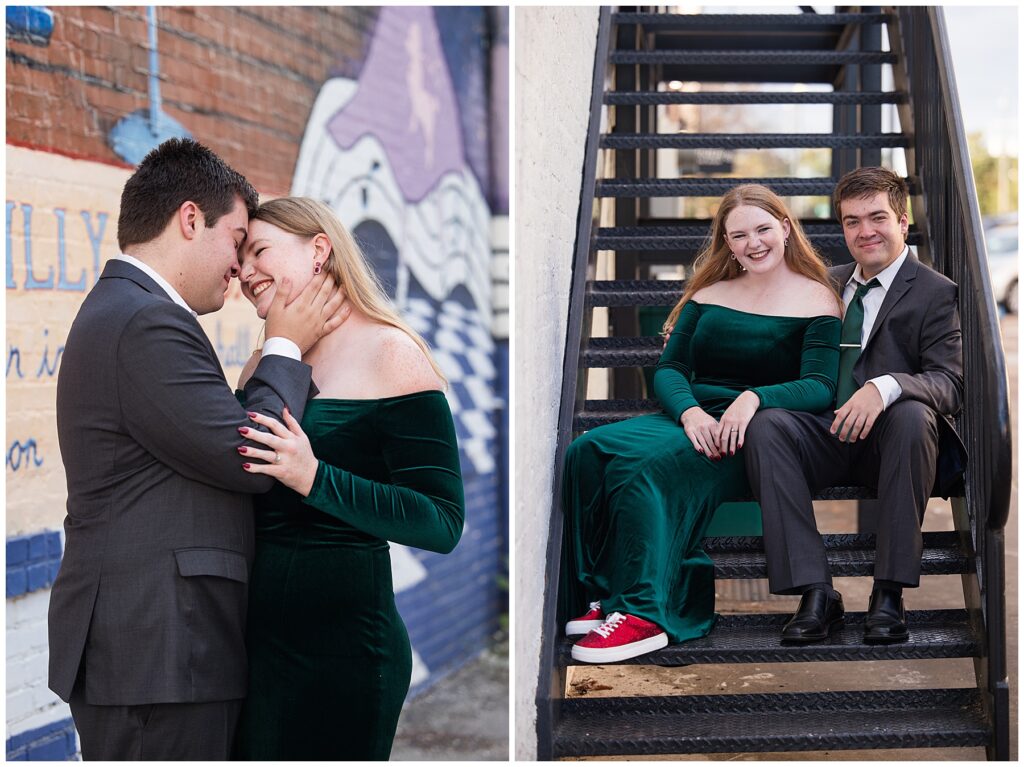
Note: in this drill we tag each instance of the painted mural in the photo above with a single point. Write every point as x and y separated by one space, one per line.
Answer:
383 113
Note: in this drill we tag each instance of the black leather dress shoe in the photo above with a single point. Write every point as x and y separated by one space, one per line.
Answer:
818 615
886 622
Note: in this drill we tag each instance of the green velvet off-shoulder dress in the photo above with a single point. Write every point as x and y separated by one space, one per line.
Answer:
329 656
638 497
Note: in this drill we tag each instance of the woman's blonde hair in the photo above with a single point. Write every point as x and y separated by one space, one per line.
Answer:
307 218
715 262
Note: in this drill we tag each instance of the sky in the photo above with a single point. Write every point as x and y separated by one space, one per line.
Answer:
984 43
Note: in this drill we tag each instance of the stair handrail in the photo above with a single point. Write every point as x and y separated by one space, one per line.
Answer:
955 235
548 697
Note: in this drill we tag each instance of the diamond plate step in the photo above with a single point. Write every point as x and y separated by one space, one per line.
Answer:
689 240
620 352
633 292
752 141
849 554
666 21
755 639
634 98
750 58
814 721
708 187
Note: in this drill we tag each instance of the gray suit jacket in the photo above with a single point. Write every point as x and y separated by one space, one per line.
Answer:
151 597
916 339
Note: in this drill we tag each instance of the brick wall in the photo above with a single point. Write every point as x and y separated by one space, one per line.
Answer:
261 86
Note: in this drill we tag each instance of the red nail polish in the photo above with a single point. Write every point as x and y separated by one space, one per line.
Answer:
242 449
245 466
251 415
243 429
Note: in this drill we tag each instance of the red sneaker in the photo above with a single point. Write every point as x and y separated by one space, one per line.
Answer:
587 622
618 638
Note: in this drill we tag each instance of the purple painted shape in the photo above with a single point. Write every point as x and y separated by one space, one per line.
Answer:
405 98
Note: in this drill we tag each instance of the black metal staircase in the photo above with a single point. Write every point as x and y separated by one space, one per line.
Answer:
638 51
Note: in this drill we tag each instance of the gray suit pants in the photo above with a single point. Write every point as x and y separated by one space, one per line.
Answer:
155 731
791 455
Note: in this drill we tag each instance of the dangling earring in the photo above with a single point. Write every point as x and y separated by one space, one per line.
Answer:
316 267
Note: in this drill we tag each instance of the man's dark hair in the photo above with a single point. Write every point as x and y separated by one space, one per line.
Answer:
178 170
867 182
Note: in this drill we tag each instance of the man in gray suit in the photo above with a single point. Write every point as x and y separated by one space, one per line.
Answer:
900 383
147 615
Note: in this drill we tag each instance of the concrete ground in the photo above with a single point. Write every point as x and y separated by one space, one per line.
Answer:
464 717
936 592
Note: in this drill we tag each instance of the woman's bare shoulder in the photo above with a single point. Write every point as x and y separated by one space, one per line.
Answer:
709 294
815 299
400 365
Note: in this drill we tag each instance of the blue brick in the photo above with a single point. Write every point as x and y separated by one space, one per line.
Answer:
53 545
38 576
37 547
51 742
17 581
51 750
17 550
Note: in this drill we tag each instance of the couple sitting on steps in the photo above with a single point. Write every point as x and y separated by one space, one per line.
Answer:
765 388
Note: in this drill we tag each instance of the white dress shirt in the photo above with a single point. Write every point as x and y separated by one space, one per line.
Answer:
886 385
277 345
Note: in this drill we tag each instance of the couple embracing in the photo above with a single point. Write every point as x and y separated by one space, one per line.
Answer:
187 620
780 377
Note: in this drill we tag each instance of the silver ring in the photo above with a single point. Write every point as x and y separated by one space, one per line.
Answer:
277 458
734 430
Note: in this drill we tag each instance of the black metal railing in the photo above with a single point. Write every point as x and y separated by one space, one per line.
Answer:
551 681
953 220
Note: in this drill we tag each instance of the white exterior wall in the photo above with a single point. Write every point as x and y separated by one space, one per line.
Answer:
554 67
30 704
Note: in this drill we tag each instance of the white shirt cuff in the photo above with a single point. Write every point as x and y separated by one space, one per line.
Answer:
283 346
888 388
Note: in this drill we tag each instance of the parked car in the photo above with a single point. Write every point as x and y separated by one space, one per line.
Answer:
1001 244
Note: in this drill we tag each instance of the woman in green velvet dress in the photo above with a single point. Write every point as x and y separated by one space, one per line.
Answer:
758 327
374 460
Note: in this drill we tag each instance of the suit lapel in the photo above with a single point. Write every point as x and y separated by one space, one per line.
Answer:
903 282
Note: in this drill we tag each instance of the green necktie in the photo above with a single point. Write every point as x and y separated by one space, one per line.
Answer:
849 343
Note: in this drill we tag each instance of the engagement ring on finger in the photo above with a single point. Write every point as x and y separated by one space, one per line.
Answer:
277 458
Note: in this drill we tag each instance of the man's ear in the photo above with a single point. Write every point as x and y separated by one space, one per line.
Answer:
189 218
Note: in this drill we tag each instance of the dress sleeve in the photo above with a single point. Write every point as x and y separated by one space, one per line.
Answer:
815 390
422 505
675 368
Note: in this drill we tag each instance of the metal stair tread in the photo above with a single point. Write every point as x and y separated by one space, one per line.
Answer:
848 554
754 638
641 98
760 20
740 58
701 231
716 186
735 723
752 140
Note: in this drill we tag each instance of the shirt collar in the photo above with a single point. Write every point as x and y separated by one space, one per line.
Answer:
884 277
151 272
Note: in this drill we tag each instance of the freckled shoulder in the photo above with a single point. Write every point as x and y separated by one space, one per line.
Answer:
707 294
820 300
400 365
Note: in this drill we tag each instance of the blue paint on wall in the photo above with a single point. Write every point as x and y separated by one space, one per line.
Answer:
50 743
465 40
32 562
29 24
